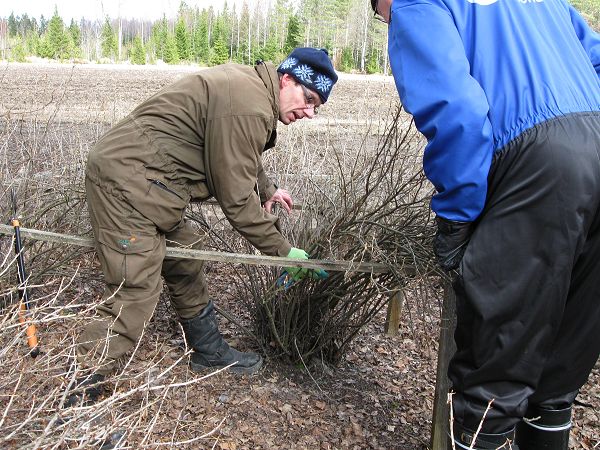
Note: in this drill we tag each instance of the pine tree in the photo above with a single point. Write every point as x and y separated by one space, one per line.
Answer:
270 52
32 41
219 52
25 25
160 34
294 34
347 60
18 52
212 37
56 38
225 23
109 41
171 56
200 36
74 40
138 53
182 40
43 25
75 33
12 25
372 62
245 29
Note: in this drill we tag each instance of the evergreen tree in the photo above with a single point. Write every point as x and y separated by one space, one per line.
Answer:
25 25
182 40
225 21
219 53
372 62
294 34
201 44
245 49
57 39
270 52
43 25
12 25
109 41
278 21
32 41
160 34
171 56
18 52
347 60
138 53
212 37
75 32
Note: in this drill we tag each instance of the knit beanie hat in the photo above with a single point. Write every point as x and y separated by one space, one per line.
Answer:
312 68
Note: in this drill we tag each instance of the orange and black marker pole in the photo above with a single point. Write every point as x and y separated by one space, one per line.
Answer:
23 294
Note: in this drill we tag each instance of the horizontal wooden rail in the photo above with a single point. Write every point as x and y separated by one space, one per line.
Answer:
213 202
206 255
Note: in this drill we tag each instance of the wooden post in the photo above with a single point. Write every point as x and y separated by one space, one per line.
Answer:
447 347
392 321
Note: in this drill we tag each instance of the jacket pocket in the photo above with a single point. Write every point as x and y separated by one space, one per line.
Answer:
161 185
158 202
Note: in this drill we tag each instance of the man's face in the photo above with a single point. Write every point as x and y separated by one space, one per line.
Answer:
382 10
296 101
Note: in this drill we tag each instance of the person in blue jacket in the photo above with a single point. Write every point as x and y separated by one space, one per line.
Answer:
507 93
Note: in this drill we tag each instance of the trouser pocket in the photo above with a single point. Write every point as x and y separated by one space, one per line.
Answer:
130 259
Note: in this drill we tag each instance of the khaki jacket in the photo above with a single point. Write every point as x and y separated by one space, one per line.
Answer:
200 137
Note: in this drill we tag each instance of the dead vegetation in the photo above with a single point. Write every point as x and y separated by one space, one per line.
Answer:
373 207
379 395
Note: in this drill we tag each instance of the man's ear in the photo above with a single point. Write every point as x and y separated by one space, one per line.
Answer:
286 80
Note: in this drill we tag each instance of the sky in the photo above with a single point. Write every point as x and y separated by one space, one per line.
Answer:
98 9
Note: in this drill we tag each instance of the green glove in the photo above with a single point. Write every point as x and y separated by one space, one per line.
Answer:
318 274
298 273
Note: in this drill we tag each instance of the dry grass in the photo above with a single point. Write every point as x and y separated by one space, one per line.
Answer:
49 119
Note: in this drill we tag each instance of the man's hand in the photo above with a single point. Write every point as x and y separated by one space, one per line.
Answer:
450 242
282 197
298 273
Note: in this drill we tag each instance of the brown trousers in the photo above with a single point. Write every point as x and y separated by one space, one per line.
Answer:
131 250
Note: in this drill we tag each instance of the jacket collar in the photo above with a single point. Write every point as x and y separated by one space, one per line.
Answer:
268 74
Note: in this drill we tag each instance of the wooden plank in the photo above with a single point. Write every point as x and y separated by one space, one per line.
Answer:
213 202
447 347
206 255
392 321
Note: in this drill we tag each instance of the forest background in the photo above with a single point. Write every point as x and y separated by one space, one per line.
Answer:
210 36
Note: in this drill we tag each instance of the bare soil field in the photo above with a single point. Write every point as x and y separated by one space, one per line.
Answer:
379 397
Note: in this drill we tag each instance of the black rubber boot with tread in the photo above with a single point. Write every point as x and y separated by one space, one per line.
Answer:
463 439
211 351
545 429
86 391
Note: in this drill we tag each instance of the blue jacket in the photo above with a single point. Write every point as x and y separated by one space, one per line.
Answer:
475 74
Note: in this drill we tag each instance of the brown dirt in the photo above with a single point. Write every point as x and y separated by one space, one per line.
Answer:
381 395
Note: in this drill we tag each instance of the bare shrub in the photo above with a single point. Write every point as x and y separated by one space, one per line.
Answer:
373 206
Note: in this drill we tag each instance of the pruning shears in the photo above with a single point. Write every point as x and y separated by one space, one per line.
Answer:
285 280
24 306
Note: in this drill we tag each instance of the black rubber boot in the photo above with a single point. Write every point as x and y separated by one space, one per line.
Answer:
545 429
210 349
463 439
86 391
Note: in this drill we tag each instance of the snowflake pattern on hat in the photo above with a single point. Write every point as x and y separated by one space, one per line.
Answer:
304 73
323 83
289 63
311 68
